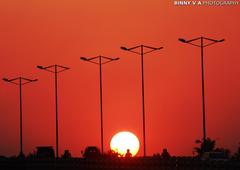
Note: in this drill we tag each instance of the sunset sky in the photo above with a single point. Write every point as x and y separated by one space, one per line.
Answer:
47 32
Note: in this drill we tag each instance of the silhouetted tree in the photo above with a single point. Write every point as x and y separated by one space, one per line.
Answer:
205 146
237 154
113 154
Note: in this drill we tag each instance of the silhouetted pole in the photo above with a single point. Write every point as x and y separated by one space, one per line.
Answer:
203 93
141 53
101 104
101 60
55 69
56 105
143 103
212 41
20 81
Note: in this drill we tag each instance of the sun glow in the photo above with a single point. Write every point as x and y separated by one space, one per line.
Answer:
122 141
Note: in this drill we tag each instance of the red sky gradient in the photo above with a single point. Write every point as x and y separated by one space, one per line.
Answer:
45 32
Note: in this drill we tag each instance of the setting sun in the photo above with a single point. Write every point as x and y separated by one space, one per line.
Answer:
122 141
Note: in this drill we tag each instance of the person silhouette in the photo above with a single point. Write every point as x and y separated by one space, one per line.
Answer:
66 154
165 154
128 154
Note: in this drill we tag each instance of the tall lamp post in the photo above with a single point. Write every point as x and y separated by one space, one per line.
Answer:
201 45
100 60
142 53
55 69
20 81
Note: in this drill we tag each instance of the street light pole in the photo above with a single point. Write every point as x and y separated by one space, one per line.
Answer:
143 101
101 104
20 81
203 92
55 69
56 105
141 53
101 60
202 46
20 99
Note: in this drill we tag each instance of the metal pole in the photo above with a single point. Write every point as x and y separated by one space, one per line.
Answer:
21 143
56 100
20 81
101 105
143 102
203 92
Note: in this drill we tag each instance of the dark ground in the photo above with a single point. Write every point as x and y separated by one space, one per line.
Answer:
150 163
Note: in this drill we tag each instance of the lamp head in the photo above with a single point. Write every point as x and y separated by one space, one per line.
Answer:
159 48
84 58
182 40
40 67
221 40
124 48
5 79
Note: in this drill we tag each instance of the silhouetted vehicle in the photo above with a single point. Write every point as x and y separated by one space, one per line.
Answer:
214 156
91 152
45 152
3 157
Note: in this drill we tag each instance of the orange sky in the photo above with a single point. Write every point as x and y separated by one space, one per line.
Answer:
45 32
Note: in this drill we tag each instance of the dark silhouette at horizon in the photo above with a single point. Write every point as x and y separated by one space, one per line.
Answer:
128 154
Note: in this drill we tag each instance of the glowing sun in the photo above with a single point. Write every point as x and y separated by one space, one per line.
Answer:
122 141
